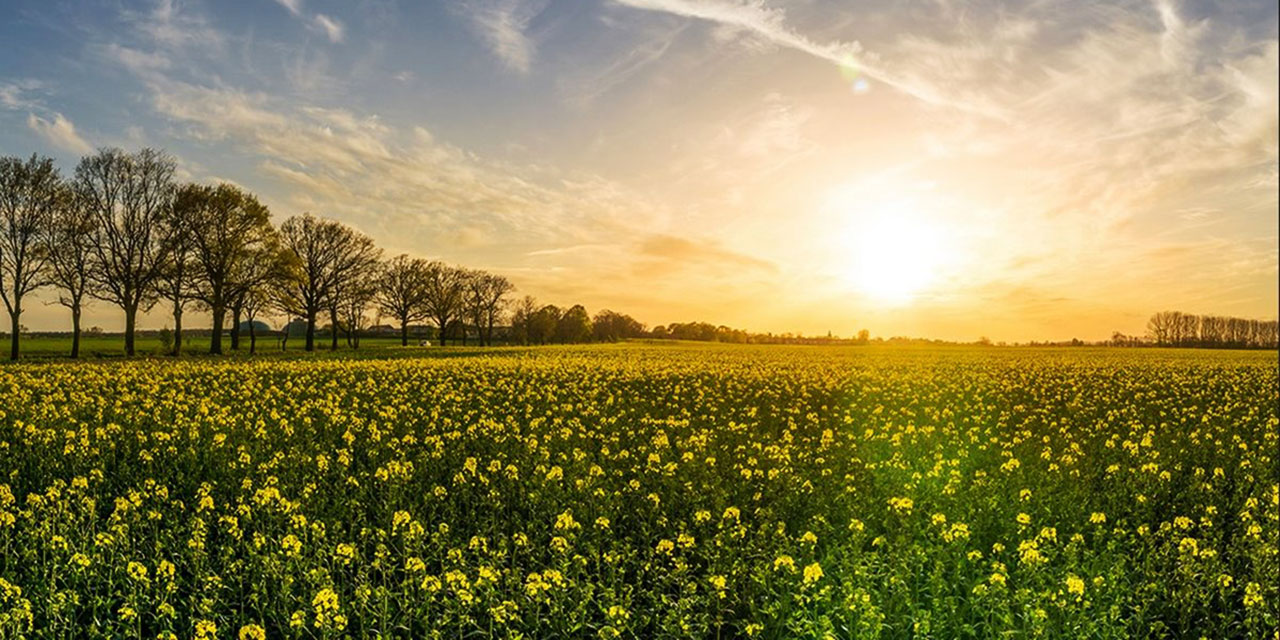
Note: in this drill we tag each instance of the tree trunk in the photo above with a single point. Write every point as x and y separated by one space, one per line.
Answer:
235 328
404 332
215 339
253 337
17 326
311 331
177 330
75 331
333 329
130 321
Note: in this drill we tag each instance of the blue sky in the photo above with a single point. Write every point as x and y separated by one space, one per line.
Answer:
953 169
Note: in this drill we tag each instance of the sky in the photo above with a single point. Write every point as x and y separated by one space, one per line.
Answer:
947 169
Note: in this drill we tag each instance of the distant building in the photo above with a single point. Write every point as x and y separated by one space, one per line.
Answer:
258 326
296 327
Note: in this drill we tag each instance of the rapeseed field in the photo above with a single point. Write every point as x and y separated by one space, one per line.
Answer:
644 491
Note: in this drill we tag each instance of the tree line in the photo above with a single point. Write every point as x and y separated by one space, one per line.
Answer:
1177 329
123 230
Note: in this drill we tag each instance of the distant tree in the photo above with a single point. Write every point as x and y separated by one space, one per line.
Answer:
611 326
313 247
353 270
1162 327
574 326
129 196
176 281
400 292
485 297
445 288
357 294
29 197
257 302
543 324
521 312
68 241
230 233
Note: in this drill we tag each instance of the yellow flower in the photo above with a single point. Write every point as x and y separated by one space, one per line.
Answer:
1252 595
812 573
137 571
252 632
784 562
902 505
206 629
291 545
1189 546
565 522
1075 585
1024 519
345 553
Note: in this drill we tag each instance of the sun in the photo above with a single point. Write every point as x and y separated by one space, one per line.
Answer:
897 256
891 251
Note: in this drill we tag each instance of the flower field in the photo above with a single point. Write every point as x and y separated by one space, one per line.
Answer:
645 491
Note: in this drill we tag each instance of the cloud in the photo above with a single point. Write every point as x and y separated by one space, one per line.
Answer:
169 25
59 132
331 27
502 24
699 252
757 19
294 6
16 95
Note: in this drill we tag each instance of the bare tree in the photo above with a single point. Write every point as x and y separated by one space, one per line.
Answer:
485 298
353 269
400 292
129 196
68 241
29 195
176 281
445 286
313 246
356 297
1162 327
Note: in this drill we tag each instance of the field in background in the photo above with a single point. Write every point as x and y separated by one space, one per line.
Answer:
112 346
644 491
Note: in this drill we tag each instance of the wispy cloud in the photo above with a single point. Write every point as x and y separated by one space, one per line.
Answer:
294 6
18 96
329 26
502 25
59 132
758 19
